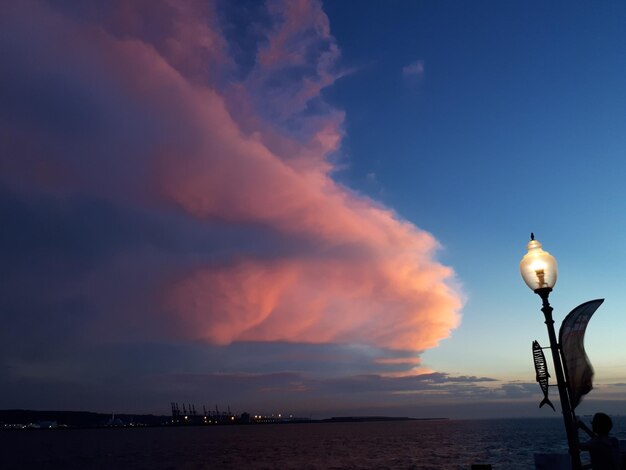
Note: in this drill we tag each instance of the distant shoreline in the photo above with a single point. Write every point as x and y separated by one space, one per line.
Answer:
50 419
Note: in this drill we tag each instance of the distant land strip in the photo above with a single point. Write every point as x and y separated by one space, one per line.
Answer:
36 419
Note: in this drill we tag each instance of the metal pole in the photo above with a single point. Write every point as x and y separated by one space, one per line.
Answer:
568 413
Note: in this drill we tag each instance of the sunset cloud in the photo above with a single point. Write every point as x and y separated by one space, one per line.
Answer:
234 229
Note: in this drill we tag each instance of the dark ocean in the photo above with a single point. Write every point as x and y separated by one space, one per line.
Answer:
505 444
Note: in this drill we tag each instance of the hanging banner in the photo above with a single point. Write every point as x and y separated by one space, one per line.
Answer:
578 370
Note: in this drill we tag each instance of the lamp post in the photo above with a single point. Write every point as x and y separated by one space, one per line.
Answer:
539 271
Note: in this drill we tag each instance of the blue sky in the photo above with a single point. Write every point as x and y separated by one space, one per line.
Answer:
317 208
516 124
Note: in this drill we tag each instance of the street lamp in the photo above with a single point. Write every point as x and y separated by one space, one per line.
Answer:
538 267
539 271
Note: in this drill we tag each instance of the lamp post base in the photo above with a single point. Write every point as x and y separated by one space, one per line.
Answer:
569 418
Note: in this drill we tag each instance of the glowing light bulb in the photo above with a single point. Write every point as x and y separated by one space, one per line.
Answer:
538 267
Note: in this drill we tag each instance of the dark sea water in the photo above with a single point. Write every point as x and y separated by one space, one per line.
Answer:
505 444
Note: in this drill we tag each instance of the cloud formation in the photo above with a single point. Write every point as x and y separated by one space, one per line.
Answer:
209 165
414 69
413 74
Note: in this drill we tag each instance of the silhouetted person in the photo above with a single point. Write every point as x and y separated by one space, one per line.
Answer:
603 449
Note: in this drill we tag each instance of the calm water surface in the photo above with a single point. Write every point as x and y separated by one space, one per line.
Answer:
506 444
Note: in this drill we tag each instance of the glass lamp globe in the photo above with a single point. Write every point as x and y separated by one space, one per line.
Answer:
538 267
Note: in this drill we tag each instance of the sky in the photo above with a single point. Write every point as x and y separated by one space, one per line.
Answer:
305 207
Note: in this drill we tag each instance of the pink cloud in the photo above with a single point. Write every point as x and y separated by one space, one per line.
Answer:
369 279
299 42
361 273
387 303
297 26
